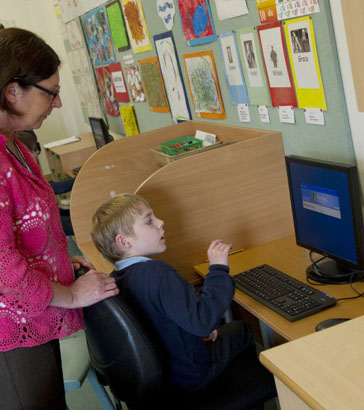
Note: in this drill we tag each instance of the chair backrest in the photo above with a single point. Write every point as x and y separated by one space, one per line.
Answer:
124 349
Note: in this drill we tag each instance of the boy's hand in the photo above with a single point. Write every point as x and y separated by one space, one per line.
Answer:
218 252
211 337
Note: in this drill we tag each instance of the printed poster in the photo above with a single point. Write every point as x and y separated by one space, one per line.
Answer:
136 25
117 26
276 65
153 84
129 120
301 44
197 23
232 69
98 37
118 80
253 67
203 84
172 77
287 9
267 11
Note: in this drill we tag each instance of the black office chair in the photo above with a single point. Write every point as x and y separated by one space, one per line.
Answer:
128 357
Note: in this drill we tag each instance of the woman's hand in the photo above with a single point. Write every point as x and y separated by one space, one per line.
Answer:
90 288
211 337
218 252
78 261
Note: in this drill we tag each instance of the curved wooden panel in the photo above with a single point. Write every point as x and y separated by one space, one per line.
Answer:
238 193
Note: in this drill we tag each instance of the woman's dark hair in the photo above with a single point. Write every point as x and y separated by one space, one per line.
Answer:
26 56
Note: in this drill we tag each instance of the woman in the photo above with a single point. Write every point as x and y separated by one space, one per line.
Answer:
39 299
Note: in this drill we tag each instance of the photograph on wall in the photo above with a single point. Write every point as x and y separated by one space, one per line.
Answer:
166 11
197 23
232 69
117 26
287 9
136 25
228 9
276 64
153 84
251 58
135 83
203 84
129 120
301 44
98 37
172 77
118 80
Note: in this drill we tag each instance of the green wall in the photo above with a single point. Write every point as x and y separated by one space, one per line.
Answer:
331 142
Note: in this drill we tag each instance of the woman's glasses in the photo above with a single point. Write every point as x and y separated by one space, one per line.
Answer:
23 81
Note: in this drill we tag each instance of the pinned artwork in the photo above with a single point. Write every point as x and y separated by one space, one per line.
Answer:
136 25
135 83
98 37
172 77
197 21
153 84
107 89
117 26
166 11
204 87
129 120
119 82
300 40
276 65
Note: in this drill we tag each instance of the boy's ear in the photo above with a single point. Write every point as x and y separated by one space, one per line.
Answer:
123 241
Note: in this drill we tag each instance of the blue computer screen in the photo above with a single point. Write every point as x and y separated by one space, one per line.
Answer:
322 210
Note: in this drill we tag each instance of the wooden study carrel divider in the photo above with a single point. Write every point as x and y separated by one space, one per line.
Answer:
237 192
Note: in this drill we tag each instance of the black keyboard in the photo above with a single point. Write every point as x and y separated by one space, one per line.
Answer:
288 297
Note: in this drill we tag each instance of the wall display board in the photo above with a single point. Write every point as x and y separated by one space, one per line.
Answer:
136 25
203 84
172 77
276 65
253 68
232 68
153 84
98 37
197 21
302 51
117 26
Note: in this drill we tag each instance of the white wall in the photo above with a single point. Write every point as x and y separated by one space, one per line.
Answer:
356 118
39 16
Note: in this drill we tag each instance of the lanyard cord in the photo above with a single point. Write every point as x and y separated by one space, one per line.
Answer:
24 163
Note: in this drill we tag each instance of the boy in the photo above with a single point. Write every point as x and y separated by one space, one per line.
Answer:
127 233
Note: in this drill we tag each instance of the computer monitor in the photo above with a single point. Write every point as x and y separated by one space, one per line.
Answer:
326 206
100 132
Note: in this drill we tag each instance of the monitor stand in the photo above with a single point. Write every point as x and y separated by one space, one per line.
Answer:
330 271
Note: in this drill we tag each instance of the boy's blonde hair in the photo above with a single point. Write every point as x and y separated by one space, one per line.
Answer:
115 216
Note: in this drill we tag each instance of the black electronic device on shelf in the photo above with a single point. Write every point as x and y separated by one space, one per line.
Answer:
326 206
100 132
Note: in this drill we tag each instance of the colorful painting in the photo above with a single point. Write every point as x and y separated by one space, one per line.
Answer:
166 11
135 83
136 25
117 26
204 87
129 120
197 21
98 37
171 74
153 84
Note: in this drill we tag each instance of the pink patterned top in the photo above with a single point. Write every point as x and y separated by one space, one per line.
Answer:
33 252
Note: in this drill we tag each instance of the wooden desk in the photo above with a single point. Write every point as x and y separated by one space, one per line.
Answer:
286 256
321 371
